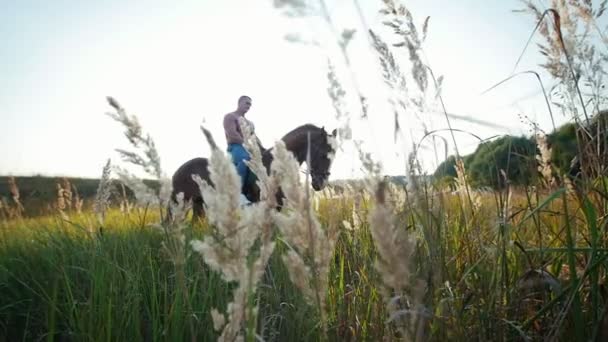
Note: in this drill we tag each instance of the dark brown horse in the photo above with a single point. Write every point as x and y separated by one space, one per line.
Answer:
296 141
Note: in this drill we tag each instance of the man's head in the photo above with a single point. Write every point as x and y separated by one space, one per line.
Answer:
244 104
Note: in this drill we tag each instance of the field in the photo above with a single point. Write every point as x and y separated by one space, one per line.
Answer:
497 270
511 247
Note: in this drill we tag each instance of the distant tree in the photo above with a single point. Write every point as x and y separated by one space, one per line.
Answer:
446 169
513 155
564 147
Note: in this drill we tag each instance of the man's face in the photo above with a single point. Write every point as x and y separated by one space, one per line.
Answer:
244 105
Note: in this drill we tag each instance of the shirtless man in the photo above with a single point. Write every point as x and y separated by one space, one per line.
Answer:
234 138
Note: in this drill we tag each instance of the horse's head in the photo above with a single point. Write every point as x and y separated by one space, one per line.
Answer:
322 152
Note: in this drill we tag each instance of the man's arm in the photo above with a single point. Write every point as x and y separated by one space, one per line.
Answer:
230 127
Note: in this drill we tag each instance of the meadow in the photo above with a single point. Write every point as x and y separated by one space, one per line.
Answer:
423 260
499 270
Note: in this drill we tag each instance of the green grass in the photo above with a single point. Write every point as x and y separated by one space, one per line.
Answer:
61 282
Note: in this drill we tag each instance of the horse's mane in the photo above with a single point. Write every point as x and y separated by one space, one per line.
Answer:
293 135
299 133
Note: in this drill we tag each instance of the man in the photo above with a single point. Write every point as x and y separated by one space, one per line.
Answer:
235 139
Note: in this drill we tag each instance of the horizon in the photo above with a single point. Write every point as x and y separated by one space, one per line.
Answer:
176 66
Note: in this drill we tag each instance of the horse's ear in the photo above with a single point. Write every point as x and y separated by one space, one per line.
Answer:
334 132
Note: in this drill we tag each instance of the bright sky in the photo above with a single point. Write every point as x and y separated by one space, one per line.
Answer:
175 64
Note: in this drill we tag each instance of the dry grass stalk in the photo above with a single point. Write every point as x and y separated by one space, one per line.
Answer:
61 201
400 19
544 159
68 198
102 196
310 247
337 93
391 72
77 202
506 208
174 244
125 204
150 161
171 225
572 53
228 249
267 184
395 250
16 196
339 37
67 192
147 158
463 186
144 196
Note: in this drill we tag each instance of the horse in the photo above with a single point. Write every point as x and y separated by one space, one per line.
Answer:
322 151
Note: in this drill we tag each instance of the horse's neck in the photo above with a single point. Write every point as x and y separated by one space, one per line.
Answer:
294 147
297 144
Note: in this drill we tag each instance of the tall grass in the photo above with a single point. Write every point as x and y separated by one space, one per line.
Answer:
59 282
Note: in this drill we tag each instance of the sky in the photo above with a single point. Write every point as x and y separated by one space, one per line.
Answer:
176 65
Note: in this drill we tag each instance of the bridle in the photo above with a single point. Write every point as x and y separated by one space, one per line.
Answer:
312 170
315 174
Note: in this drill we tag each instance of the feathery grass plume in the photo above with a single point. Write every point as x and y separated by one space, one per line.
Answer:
397 14
125 204
294 8
61 202
391 72
227 249
16 196
144 196
573 54
395 249
463 186
506 207
336 94
371 167
77 202
267 184
544 159
64 196
340 38
393 77
174 244
310 247
209 138
148 159
419 100
570 189
102 196
357 209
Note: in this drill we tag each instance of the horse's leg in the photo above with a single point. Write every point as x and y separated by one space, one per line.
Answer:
250 188
198 211
280 196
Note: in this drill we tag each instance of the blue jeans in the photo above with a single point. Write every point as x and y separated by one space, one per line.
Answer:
239 154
